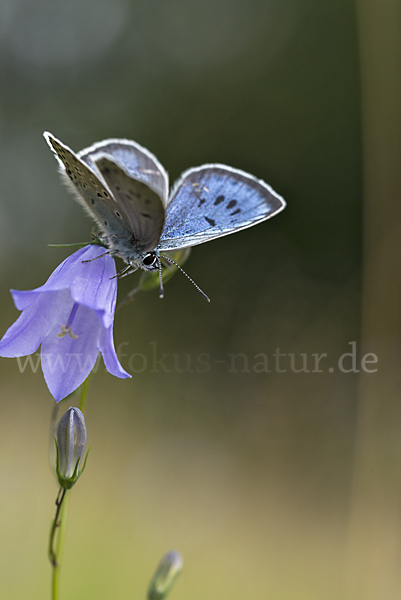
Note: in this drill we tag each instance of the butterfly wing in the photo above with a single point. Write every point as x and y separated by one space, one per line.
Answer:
92 193
140 204
137 162
215 200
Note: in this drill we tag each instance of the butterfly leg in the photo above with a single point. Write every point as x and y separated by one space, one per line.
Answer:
133 270
100 256
123 272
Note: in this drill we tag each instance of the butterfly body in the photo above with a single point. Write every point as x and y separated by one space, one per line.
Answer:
125 190
131 253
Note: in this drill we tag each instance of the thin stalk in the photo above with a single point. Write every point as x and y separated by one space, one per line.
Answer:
84 394
373 543
57 539
59 523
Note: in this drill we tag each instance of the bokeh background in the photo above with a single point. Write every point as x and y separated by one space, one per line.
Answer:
272 485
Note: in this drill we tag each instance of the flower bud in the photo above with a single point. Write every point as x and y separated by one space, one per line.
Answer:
70 444
167 572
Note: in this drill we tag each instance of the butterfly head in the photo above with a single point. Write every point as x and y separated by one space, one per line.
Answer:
150 261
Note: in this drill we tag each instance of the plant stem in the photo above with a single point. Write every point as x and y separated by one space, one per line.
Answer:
372 555
55 549
59 524
84 393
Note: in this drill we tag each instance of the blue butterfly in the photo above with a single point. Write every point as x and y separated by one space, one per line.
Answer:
125 190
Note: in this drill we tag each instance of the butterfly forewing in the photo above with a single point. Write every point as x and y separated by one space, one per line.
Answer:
214 200
138 162
91 193
141 205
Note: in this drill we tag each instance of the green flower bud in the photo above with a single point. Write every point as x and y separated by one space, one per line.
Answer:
167 572
70 445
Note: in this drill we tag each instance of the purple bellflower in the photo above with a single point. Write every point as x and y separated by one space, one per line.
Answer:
71 315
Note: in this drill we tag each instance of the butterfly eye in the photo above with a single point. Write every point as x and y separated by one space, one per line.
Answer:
150 261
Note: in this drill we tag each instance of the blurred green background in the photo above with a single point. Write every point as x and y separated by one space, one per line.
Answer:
252 476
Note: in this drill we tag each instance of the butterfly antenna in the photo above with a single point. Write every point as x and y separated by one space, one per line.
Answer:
161 288
170 260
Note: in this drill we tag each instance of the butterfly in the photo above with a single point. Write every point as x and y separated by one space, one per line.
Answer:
125 189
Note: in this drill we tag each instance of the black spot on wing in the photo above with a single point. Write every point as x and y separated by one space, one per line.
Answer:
236 212
135 194
219 200
231 204
201 201
211 222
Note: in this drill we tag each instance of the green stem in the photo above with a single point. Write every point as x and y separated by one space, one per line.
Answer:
56 548
59 524
84 393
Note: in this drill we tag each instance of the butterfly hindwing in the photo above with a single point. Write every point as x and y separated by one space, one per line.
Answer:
137 161
141 205
90 191
215 200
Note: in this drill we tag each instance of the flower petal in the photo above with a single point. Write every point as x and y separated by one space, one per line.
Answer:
61 278
90 283
67 362
110 359
31 328
95 284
